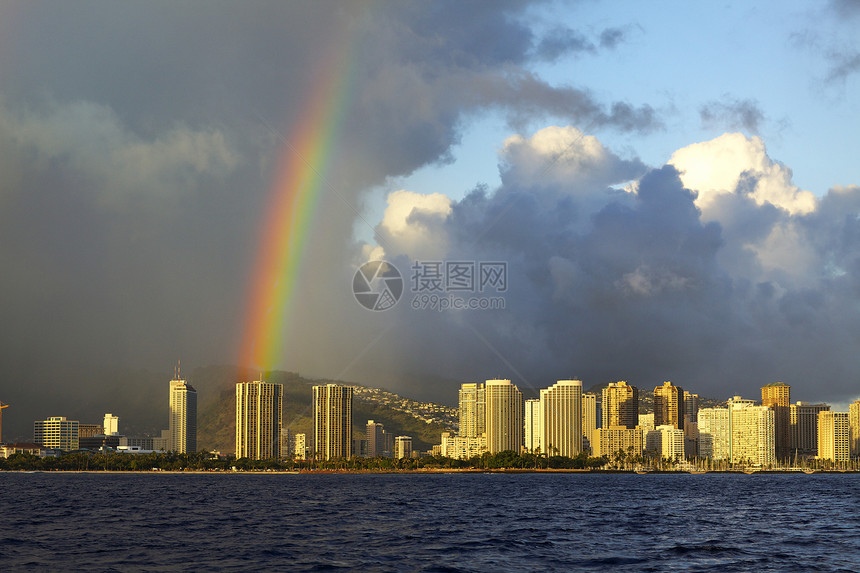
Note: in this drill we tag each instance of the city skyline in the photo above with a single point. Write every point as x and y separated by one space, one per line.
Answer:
742 433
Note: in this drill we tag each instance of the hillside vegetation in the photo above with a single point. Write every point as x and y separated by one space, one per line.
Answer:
216 427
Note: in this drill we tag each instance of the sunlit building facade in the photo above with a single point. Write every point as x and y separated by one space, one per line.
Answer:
332 421
590 420
472 410
403 447
183 417
777 396
854 429
666 441
461 447
532 426
259 409
504 416
561 418
669 405
833 434
714 433
110 425
619 439
752 433
620 405
646 423
56 433
299 447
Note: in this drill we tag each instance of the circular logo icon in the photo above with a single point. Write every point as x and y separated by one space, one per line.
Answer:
377 285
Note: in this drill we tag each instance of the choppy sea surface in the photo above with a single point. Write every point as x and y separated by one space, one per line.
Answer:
438 522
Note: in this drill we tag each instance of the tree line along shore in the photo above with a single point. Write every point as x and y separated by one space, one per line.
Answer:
502 461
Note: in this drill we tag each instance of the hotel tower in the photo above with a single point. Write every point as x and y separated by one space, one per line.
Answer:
259 408
669 406
561 418
332 421
182 426
504 416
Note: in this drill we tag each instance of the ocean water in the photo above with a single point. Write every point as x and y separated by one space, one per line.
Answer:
438 522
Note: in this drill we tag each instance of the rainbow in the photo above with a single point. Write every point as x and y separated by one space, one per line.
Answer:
305 158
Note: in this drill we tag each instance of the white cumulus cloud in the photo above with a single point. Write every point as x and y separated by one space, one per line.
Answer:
733 163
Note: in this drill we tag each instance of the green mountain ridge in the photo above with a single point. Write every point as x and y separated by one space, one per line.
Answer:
216 417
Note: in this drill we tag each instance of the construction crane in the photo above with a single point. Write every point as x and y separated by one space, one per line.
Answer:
2 405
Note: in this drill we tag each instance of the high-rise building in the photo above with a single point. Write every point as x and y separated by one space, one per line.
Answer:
646 423
332 421
472 410
854 428
752 433
504 416
403 447
715 439
259 409
380 444
669 405
183 417
589 420
561 418
776 393
532 424
691 407
777 396
111 425
619 440
833 436
667 441
56 433
620 404
803 428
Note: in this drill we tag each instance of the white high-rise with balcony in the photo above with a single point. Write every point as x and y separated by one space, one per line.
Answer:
561 418
504 416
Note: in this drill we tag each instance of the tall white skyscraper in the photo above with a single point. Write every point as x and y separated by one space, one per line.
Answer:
714 433
752 433
472 410
561 418
183 417
259 409
332 421
833 436
532 425
504 416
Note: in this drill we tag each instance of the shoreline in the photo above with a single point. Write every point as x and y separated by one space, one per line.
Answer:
433 471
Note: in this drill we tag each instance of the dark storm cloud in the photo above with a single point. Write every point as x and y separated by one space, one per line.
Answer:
137 146
733 114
